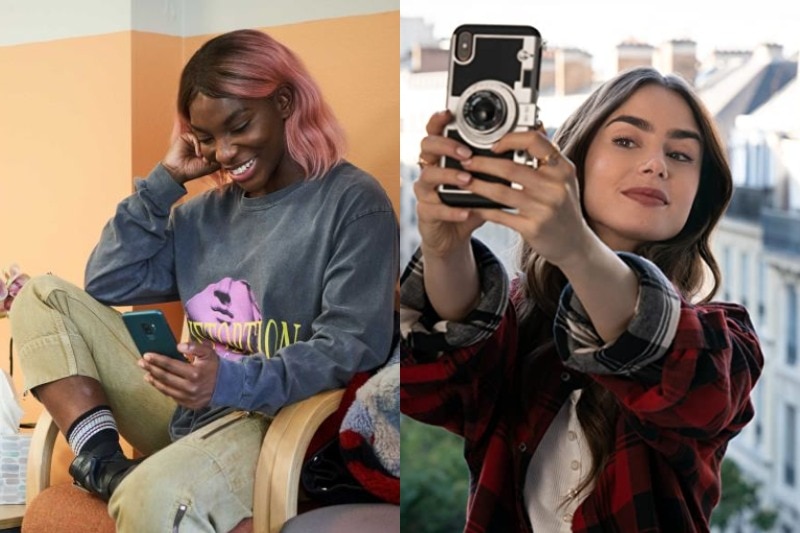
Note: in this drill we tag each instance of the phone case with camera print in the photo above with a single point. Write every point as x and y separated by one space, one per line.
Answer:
493 88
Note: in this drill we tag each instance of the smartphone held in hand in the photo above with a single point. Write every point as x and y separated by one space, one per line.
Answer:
151 333
492 89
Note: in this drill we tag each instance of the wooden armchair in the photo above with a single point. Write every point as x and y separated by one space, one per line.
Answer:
278 472
281 460
276 489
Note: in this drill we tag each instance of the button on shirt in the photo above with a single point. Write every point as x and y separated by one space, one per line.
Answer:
556 469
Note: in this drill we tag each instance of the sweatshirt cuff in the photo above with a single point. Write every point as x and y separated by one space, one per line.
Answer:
160 189
252 384
229 390
646 339
422 329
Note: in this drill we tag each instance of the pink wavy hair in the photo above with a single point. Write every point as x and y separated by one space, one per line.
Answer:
251 64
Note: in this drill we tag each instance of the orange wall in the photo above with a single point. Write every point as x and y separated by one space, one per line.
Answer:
79 117
65 142
156 62
65 135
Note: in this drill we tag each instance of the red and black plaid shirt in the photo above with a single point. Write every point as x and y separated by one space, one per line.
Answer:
682 375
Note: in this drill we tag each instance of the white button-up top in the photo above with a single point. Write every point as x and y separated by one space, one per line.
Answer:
557 467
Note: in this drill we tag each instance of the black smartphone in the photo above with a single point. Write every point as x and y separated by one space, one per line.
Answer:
151 333
492 89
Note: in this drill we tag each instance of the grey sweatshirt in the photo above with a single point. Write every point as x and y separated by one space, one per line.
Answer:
295 288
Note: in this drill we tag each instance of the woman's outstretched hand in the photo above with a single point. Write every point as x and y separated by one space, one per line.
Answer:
184 161
547 205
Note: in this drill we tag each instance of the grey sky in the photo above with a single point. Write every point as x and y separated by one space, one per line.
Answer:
597 26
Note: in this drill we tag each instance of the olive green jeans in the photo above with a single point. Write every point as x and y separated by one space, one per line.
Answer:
200 483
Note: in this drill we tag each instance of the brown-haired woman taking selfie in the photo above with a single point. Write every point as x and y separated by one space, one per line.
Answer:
599 390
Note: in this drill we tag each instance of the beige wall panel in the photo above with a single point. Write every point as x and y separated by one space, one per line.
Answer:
65 145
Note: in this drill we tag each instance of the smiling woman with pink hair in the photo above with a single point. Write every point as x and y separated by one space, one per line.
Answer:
286 271
261 66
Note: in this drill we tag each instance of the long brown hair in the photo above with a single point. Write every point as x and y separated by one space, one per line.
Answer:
682 258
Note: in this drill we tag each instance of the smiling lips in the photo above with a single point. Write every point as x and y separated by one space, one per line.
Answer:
646 196
241 172
242 168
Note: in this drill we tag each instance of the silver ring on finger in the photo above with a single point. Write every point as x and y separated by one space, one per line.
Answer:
532 161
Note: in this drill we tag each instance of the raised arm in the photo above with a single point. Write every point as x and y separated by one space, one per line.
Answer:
451 278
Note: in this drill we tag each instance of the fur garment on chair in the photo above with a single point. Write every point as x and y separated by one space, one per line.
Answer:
370 433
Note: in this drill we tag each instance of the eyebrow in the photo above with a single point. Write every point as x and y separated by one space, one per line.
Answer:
233 117
644 125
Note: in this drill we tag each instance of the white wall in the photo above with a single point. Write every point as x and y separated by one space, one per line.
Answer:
26 21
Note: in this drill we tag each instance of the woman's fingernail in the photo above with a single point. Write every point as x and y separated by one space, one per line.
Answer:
463 177
466 162
463 152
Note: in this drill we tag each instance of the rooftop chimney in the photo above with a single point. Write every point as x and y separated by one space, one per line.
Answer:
631 54
573 71
678 56
768 52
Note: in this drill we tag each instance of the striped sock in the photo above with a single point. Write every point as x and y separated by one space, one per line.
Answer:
92 428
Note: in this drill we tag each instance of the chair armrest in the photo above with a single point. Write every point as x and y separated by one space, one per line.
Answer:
40 456
281 459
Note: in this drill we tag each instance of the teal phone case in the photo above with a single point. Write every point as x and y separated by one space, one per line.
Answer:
151 333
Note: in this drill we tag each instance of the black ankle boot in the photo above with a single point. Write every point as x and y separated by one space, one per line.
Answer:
101 470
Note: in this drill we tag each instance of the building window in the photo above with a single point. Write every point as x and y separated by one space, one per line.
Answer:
738 160
727 268
761 162
757 164
791 325
762 289
758 401
744 279
751 165
790 453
